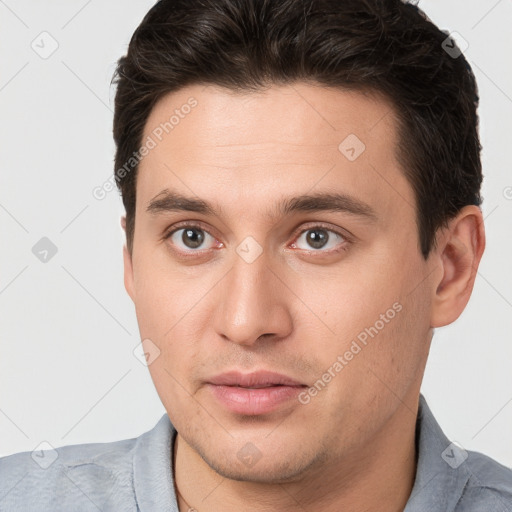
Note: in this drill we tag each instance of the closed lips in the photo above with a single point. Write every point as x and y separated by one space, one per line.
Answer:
255 380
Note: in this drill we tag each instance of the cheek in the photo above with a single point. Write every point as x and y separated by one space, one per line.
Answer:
372 320
348 300
163 295
173 332
170 377
170 312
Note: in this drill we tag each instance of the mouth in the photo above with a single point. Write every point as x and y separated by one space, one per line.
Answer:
255 380
256 393
258 387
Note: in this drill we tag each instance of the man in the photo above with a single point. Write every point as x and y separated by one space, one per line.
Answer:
301 181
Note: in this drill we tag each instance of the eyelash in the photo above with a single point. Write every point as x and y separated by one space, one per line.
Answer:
191 253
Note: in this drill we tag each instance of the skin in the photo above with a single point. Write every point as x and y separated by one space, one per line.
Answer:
295 308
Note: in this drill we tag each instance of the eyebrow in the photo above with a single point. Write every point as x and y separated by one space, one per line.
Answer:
168 201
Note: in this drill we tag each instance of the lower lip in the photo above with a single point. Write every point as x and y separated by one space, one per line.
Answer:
254 401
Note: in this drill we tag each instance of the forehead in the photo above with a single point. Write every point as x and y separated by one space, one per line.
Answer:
248 148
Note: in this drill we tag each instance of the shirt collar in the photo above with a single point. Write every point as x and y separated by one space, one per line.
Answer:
153 478
441 474
438 485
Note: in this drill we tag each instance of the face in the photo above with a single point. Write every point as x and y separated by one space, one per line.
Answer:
293 248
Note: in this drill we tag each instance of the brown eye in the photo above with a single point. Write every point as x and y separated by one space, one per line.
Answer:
319 239
189 238
192 238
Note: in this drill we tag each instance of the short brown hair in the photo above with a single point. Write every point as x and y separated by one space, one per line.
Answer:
387 46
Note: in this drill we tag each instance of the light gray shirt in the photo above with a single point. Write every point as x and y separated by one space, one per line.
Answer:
136 475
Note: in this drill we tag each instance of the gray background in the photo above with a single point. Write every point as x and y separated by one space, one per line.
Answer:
68 329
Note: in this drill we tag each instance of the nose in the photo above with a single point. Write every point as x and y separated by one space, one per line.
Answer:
253 303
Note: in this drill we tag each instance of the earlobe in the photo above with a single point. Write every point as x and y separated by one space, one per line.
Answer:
128 273
128 266
459 251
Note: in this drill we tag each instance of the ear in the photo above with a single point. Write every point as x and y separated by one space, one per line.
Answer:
458 253
128 266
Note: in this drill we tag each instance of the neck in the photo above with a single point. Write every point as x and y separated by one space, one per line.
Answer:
376 477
